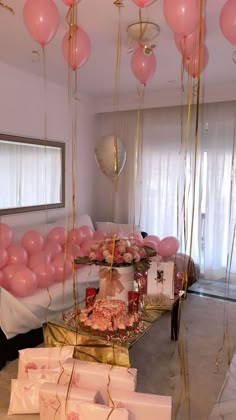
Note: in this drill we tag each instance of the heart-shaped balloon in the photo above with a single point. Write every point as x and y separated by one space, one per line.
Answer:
110 155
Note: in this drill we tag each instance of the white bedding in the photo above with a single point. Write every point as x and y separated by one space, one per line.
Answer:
19 315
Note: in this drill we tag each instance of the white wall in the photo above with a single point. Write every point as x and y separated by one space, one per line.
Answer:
22 112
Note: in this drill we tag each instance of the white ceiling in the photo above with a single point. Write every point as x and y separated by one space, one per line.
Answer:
99 18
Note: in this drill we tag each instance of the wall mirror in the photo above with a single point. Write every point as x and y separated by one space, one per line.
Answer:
32 174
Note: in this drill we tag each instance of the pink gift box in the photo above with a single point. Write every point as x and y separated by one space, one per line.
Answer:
142 406
42 358
76 410
96 376
54 398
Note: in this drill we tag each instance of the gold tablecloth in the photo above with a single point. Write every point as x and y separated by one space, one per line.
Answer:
93 348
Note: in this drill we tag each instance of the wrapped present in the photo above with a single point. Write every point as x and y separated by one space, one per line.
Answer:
54 399
161 278
77 410
24 397
98 376
142 406
42 358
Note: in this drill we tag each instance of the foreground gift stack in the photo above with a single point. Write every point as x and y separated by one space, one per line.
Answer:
57 386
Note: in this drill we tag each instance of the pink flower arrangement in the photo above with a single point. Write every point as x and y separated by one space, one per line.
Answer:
118 253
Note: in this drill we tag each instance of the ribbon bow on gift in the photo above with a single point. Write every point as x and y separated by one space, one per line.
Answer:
112 283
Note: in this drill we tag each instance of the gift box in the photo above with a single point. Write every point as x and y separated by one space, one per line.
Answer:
76 410
42 358
24 397
100 377
54 399
161 278
142 406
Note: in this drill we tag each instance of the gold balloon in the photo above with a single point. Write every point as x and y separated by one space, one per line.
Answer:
110 155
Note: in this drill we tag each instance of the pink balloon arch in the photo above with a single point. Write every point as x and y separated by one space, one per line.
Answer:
23 282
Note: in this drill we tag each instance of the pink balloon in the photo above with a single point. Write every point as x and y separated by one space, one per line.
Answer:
192 65
98 235
73 249
63 267
32 241
23 283
52 248
152 238
168 246
17 254
76 47
189 45
143 65
70 2
181 15
228 21
6 235
41 19
75 235
38 259
137 236
58 234
86 231
3 257
86 246
143 3
3 280
45 273
10 270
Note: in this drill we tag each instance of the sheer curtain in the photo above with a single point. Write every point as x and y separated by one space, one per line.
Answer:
221 193
187 191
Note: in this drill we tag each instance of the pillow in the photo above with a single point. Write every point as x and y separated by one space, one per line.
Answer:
113 228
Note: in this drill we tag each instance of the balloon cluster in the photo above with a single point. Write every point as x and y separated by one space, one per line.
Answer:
182 16
41 19
38 262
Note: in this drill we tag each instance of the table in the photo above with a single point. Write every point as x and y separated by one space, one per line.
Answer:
95 348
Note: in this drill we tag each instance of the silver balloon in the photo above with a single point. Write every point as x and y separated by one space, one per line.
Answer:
110 152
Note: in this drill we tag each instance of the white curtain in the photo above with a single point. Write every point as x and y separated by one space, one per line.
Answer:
31 175
187 191
221 193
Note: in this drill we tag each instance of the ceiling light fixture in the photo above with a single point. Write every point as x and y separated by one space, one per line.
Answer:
142 33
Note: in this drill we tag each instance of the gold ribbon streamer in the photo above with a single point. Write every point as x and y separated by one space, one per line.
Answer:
6 7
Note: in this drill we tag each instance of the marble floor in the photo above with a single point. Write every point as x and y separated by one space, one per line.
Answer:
219 289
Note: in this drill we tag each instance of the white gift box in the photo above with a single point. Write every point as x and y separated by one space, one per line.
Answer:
54 399
24 397
142 406
42 358
98 376
161 279
76 410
